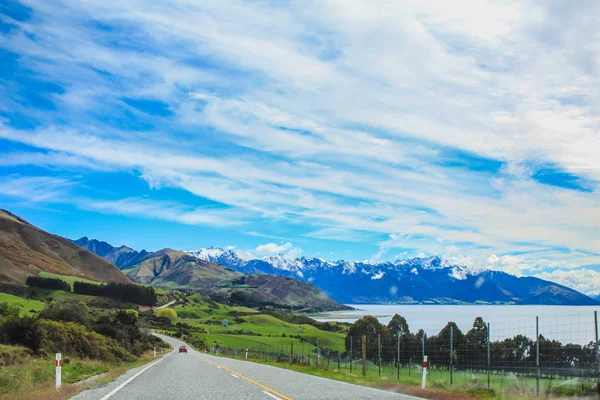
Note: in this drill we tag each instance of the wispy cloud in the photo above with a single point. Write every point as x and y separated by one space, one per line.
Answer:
468 131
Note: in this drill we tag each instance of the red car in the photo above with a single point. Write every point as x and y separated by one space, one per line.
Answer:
183 349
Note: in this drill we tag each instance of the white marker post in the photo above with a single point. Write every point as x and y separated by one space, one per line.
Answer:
155 352
424 378
58 370
246 353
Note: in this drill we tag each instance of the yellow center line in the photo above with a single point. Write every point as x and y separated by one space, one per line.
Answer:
276 393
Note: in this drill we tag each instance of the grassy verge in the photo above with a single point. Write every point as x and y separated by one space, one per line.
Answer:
34 378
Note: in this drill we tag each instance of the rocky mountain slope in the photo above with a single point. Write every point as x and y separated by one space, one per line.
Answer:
123 257
26 250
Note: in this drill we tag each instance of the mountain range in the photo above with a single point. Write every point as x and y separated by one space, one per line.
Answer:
175 269
413 281
418 280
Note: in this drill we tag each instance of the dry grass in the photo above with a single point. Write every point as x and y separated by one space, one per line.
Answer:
26 386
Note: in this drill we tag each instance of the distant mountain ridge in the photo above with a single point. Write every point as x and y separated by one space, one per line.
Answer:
175 269
26 250
123 256
428 280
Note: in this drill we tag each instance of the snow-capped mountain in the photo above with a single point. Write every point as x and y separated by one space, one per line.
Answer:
429 280
415 280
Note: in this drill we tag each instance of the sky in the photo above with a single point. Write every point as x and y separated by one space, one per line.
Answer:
336 129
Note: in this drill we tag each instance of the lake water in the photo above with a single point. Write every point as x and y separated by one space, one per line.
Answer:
573 324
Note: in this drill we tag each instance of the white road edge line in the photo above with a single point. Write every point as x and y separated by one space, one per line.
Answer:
132 378
271 395
235 376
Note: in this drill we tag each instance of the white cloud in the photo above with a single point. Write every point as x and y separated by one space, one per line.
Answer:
352 112
272 248
583 280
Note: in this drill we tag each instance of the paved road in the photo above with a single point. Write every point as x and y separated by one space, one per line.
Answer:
198 375
166 305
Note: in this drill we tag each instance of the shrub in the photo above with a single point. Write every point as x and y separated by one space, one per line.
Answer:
22 330
58 311
9 310
73 339
167 313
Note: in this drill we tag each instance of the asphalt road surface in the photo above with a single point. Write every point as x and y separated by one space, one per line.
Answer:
197 375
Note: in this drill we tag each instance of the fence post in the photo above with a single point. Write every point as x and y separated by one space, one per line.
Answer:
423 347
339 355
597 354
58 370
379 352
537 355
451 356
488 354
364 355
398 355
350 354
318 353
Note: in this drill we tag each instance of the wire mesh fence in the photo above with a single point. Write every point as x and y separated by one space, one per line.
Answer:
532 357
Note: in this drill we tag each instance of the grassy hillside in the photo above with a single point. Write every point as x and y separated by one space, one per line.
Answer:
26 250
27 306
69 279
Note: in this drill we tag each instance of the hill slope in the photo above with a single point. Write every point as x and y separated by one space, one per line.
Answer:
173 269
26 250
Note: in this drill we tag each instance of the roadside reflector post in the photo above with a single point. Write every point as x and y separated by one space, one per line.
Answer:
424 377
246 353
155 352
58 370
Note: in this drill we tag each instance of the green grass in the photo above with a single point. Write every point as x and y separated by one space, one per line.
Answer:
68 278
26 305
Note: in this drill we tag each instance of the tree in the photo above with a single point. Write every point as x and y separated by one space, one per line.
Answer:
398 326
477 340
438 346
370 327
167 313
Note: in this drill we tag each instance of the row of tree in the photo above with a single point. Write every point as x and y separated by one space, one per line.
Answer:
47 283
468 350
129 293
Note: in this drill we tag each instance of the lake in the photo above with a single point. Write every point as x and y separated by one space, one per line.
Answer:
573 324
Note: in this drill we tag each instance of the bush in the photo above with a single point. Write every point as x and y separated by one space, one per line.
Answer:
24 331
73 339
48 283
57 311
167 313
9 310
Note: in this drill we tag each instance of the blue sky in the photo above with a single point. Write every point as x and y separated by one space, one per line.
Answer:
364 131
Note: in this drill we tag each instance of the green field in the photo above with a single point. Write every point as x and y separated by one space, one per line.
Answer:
68 278
26 305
